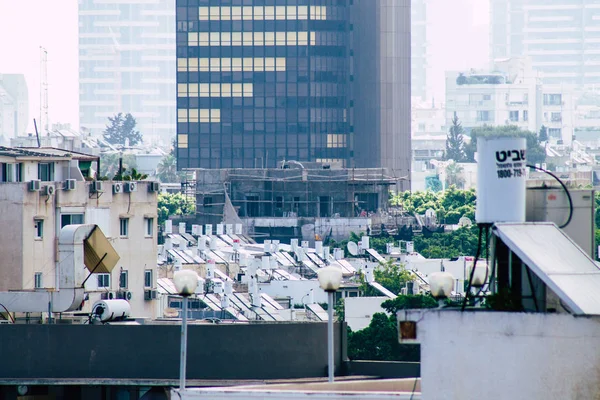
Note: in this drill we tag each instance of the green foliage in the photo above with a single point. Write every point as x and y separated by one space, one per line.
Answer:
109 163
391 276
120 129
455 146
174 204
340 310
167 170
133 175
433 183
454 175
535 152
408 302
379 341
543 135
461 242
449 205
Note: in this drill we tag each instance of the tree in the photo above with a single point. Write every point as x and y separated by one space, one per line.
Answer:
535 152
379 341
109 163
454 175
391 276
433 183
174 204
121 130
167 170
543 136
455 146
407 302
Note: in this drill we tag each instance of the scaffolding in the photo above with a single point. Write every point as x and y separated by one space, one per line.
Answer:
227 195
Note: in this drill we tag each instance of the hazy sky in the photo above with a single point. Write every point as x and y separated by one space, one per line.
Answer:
458 39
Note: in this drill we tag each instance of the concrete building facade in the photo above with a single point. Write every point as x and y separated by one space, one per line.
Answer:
33 218
561 37
126 53
325 81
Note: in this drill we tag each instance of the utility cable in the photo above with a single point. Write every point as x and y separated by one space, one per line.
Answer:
565 189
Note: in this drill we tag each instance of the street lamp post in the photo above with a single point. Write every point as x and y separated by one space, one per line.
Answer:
330 279
185 282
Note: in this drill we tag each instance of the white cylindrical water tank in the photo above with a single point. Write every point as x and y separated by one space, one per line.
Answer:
219 229
229 229
294 244
208 229
365 244
501 179
267 246
210 269
168 226
182 227
319 247
238 229
111 310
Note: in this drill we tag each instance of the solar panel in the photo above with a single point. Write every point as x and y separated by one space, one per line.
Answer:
562 265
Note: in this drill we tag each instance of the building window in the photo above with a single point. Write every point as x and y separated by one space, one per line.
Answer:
148 278
123 279
556 117
71 219
552 99
514 116
123 227
38 280
486 97
46 172
103 280
148 226
483 116
525 115
39 229
554 133
252 206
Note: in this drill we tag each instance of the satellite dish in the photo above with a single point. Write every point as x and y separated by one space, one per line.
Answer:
352 248
464 221
170 312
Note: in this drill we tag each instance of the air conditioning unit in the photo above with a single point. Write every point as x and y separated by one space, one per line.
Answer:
108 296
130 187
153 186
49 190
117 188
35 185
96 187
124 294
150 294
70 184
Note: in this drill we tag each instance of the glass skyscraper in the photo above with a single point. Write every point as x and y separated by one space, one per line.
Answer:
262 81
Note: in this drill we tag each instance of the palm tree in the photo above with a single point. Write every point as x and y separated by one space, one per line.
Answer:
454 175
167 169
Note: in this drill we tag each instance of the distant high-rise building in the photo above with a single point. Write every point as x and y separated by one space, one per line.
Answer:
126 64
260 82
562 37
419 47
14 106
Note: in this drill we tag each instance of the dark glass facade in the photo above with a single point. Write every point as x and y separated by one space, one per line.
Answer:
262 81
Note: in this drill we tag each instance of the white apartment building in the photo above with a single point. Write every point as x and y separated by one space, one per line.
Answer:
14 106
562 37
44 189
511 94
126 53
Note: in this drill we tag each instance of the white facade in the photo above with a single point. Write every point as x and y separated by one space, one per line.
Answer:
14 106
560 36
511 94
419 48
32 221
498 355
126 64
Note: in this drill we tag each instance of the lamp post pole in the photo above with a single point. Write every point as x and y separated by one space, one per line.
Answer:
183 343
330 362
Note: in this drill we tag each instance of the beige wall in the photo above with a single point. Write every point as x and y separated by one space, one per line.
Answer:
22 255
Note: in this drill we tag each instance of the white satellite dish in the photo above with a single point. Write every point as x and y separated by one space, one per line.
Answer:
352 248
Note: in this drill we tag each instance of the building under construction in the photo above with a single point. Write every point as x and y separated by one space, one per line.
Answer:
308 201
